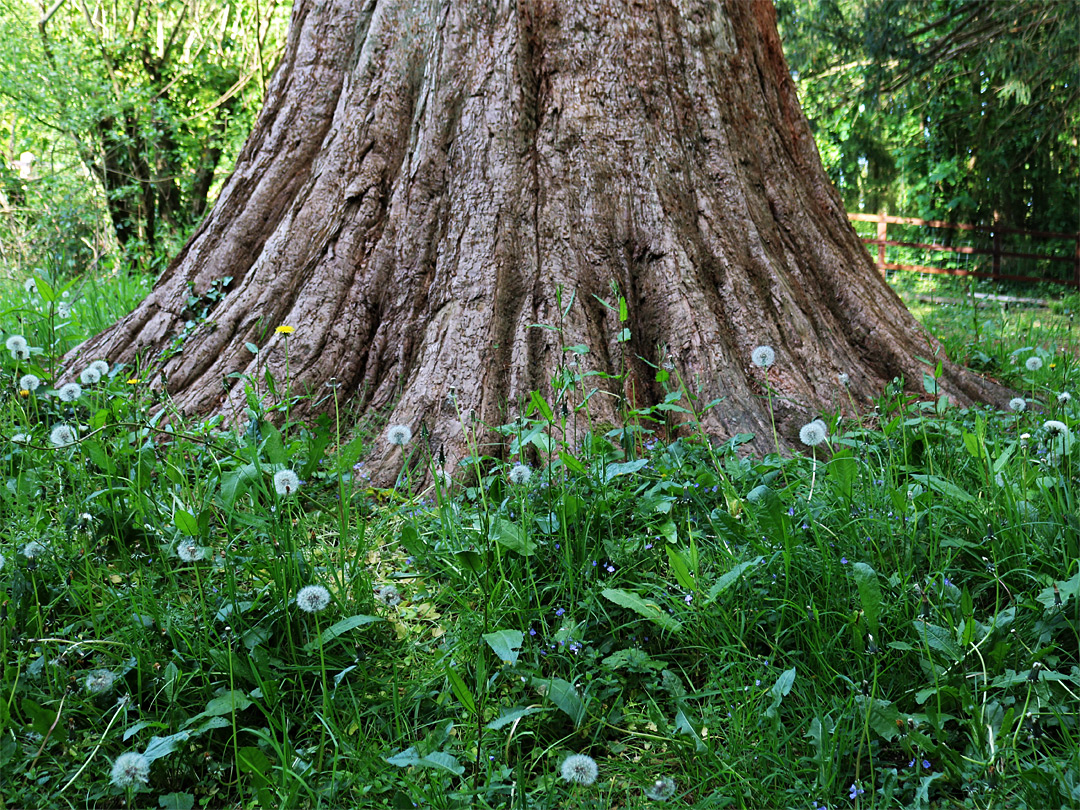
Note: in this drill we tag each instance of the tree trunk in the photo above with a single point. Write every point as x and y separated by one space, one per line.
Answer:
423 182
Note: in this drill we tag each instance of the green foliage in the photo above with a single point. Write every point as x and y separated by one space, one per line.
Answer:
128 111
895 614
950 109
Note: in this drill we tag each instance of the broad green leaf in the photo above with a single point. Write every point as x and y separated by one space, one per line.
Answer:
843 469
177 801
731 577
869 593
45 722
511 715
186 522
343 626
460 689
563 695
943 487
680 569
650 610
506 644
938 638
624 468
572 464
779 690
273 445
511 536
540 404
159 747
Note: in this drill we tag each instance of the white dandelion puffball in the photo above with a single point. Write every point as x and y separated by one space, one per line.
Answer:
443 477
99 681
21 438
1064 397
843 378
1033 363
286 482
388 595
62 435
34 549
313 598
579 769
1017 404
520 474
69 392
190 551
813 433
130 769
1056 428
763 356
662 789
63 309
30 286
29 382
400 435
89 376
101 367
16 343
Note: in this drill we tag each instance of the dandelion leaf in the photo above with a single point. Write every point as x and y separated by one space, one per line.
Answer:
869 593
650 610
563 695
506 644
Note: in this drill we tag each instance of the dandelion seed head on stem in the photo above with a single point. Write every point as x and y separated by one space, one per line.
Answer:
579 769
1017 404
399 435
89 376
313 598
62 435
69 392
813 433
16 344
662 789
763 356
1033 363
101 367
520 474
29 382
1055 428
99 681
130 769
286 482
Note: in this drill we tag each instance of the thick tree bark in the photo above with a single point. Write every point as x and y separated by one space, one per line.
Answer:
423 181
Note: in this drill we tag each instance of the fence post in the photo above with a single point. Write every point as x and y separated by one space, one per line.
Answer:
882 235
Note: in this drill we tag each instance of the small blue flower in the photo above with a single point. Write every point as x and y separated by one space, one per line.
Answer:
560 612
843 560
854 791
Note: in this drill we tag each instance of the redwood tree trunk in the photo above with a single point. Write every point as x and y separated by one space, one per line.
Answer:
423 181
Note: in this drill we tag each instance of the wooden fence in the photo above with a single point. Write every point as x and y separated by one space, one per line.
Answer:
978 251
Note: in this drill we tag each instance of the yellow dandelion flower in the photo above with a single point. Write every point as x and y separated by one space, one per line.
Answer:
134 381
23 392
285 330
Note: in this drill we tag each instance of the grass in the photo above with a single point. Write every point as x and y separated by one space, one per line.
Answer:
886 620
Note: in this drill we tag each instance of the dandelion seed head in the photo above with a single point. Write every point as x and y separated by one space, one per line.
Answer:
286 482
763 356
388 595
34 549
29 382
99 681
69 392
130 769
30 286
1064 397
813 433
189 551
16 344
313 598
62 435
579 769
89 376
843 379
1017 404
443 477
63 309
662 789
399 435
520 474
1056 428
101 367
1033 363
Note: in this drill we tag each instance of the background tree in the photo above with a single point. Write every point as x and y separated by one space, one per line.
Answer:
458 204
955 109
144 98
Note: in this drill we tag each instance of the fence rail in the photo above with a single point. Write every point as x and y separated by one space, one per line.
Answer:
977 251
